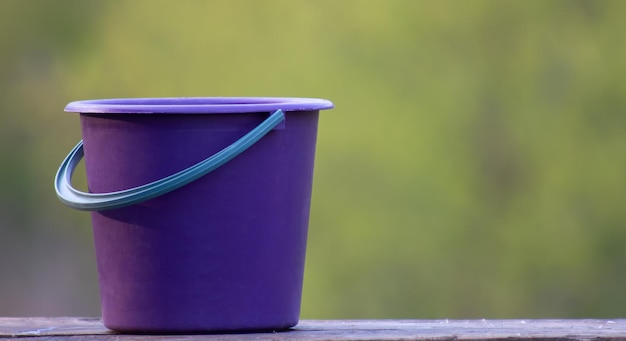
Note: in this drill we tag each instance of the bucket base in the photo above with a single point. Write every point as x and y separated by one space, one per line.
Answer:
173 330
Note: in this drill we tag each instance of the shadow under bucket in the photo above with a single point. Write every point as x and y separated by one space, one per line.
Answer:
200 209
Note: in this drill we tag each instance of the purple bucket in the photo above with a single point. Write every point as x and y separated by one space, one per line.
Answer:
204 252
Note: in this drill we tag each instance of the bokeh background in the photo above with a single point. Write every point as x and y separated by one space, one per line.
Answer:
473 167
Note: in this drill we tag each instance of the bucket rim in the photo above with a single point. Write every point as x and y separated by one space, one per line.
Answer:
196 105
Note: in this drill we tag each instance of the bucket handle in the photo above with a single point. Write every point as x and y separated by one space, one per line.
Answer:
106 201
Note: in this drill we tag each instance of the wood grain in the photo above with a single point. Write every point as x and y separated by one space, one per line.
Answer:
65 328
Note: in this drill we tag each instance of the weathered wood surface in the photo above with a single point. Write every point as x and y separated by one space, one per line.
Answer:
68 328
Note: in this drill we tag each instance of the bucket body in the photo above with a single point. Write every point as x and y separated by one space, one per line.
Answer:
223 253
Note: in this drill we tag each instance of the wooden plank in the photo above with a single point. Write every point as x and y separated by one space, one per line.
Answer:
60 328
50 326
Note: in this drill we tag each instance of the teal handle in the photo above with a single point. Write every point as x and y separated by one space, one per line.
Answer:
106 201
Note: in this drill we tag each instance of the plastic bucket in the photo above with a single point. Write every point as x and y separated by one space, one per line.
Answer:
200 209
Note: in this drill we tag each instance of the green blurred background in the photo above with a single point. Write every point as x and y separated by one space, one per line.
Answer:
473 167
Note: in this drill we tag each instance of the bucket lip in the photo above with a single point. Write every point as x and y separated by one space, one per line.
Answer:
196 105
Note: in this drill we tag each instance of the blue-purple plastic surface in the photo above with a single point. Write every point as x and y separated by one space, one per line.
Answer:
197 105
223 253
